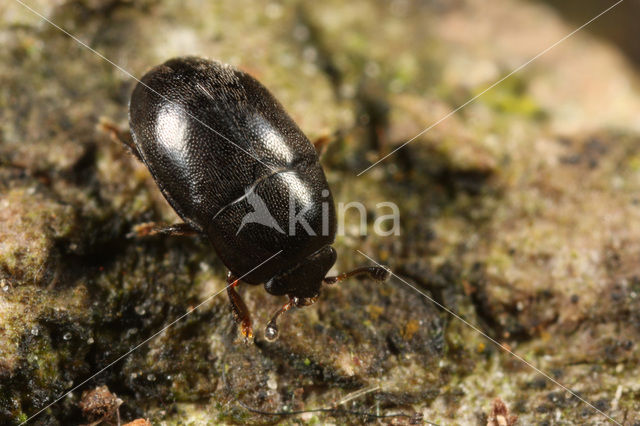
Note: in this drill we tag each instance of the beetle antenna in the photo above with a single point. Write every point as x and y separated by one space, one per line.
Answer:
378 273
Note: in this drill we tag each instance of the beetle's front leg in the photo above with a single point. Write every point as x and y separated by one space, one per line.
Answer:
377 273
239 308
271 332
148 229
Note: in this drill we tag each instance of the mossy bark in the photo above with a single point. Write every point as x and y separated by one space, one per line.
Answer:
520 213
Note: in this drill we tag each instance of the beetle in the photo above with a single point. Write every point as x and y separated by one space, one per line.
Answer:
235 167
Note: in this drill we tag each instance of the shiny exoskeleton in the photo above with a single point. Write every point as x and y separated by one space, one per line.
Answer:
236 168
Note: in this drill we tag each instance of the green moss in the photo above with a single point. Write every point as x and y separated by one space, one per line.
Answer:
511 97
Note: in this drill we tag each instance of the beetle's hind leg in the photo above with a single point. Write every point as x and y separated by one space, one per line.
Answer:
120 136
271 331
149 229
239 308
378 273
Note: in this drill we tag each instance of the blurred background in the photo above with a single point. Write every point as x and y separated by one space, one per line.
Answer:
520 212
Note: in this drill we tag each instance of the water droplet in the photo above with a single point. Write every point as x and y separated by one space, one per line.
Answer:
67 336
151 377
372 69
301 33
310 54
35 331
140 310
5 288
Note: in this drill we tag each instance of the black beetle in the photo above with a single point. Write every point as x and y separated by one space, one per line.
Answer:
235 167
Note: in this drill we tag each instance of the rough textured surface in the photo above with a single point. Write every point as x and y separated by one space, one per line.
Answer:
521 213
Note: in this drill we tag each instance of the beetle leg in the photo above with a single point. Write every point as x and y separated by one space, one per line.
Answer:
239 308
321 143
377 273
271 331
120 136
151 228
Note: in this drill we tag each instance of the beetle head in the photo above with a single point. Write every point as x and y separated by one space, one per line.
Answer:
305 279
